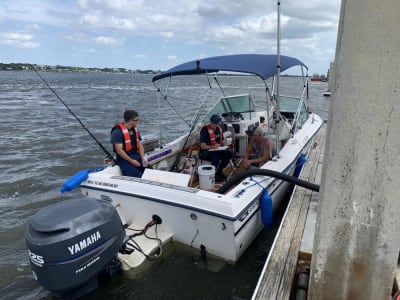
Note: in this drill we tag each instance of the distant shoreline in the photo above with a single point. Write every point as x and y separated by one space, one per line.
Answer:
59 68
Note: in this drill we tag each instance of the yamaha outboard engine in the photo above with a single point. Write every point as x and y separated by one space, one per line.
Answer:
71 243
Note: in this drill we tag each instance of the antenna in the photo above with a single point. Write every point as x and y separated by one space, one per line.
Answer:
278 74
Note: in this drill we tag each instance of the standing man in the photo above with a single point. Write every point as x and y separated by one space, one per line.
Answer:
127 144
212 138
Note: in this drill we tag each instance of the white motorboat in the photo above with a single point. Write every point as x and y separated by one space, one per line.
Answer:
326 93
217 220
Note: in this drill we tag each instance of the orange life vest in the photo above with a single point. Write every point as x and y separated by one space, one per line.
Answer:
127 137
212 134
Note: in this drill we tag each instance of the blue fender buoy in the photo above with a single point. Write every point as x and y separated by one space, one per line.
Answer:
299 165
75 180
266 208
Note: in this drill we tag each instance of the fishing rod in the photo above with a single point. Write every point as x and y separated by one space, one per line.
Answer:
195 121
75 116
178 156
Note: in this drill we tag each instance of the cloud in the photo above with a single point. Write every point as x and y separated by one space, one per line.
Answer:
167 34
16 39
114 6
107 22
89 19
37 12
231 8
104 40
261 26
76 37
34 27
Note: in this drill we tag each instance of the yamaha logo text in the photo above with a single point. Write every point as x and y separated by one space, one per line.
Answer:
86 242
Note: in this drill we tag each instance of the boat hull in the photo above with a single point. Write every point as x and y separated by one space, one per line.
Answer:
223 235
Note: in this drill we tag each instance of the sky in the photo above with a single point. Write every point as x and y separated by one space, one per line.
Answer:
159 34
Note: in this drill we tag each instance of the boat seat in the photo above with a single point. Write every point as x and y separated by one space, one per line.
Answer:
284 133
180 179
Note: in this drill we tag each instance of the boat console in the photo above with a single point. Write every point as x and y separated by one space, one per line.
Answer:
241 130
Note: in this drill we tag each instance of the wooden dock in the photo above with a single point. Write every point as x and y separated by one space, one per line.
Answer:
290 254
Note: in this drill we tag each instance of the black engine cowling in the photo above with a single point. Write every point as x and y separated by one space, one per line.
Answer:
71 242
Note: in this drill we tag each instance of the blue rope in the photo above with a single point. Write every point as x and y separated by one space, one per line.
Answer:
254 184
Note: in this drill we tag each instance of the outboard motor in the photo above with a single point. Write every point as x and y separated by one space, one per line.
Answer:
71 243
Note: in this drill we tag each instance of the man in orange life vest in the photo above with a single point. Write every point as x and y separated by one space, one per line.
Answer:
126 142
211 137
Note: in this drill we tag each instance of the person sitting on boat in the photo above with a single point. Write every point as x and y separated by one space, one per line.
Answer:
211 139
260 149
127 144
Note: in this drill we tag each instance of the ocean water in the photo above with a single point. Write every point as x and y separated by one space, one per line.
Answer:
43 144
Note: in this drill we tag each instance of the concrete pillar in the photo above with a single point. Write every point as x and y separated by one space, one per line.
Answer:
357 239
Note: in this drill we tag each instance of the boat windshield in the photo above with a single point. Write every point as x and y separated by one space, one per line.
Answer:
290 105
232 105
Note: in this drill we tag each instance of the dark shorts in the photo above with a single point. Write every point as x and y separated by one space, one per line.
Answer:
128 169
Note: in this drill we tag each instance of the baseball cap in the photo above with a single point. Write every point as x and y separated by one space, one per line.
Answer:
215 119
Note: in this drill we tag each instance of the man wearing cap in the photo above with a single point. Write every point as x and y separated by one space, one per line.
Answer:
260 149
211 138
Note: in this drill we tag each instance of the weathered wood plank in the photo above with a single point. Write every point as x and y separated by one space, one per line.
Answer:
291 263
279 271
305 252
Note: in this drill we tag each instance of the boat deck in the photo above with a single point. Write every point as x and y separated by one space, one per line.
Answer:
290 254
230 171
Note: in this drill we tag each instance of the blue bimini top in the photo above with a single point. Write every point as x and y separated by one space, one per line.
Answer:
262 65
